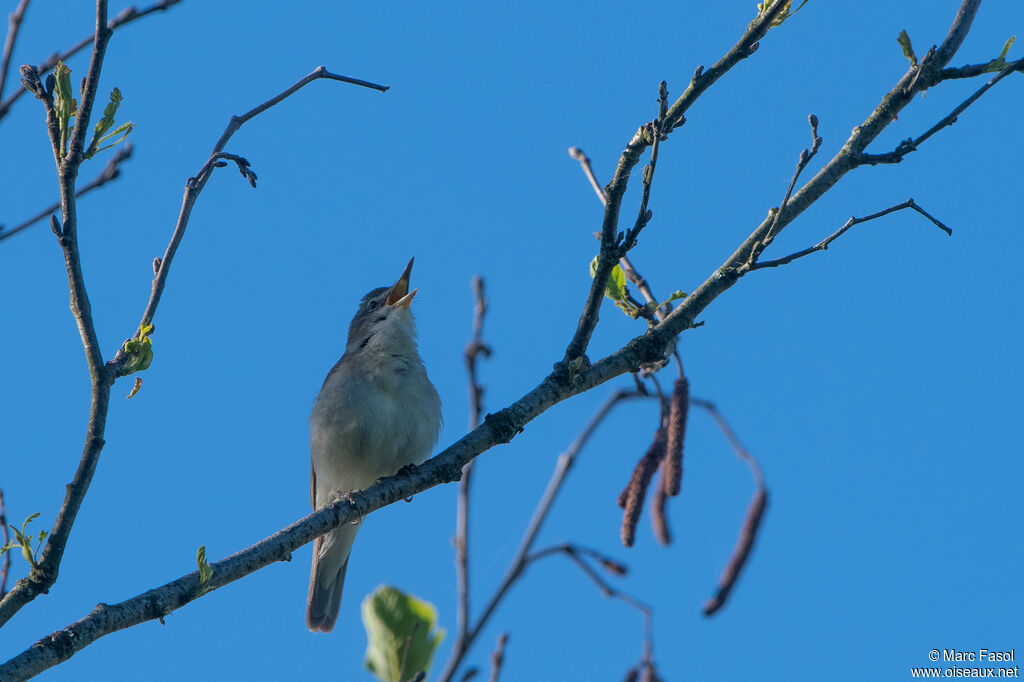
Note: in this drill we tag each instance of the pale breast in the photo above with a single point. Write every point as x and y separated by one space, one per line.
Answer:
367 425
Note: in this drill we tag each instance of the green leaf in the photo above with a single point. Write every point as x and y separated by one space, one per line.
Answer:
908 50
999 63
139 351
100 135
64 104
1006 48
786 13
616 287
399 625
205 572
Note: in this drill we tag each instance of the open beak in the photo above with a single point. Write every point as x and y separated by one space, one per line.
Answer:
399 296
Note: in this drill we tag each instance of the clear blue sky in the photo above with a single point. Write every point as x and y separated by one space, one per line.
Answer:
879 382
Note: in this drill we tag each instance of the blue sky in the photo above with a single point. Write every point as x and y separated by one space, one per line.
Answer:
878 382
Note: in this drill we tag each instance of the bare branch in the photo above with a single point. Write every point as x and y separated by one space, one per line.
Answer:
104 375
674 115
194 187
127 15
498 657
627 267
13 26
519 562
577 153
734 440
911 145
44 574
474 349
805 158
824 244
111 171
6 568
575 554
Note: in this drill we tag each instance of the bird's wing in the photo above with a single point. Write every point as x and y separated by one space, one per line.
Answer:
312 485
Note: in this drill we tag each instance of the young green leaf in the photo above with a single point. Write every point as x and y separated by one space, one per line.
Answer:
1006 47
205 572
100 135
139 351
64 104
999 63
908 50
399 627
786 13
616 287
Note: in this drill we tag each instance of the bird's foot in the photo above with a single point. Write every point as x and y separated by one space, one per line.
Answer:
340 495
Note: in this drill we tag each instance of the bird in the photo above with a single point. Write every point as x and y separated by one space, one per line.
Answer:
376 413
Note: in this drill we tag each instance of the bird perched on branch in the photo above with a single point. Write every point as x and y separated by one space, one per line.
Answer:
376 413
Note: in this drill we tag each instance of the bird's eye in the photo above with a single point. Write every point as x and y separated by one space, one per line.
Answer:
373 305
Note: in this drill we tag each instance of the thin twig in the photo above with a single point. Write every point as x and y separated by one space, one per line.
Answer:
499 427
575 554
540 514
730 435
111 171
498 657
627 266
474 349
5 570
13 26
127 15
805 158
194 187
911 145
44 574
103 376
577 153
610 244
824 244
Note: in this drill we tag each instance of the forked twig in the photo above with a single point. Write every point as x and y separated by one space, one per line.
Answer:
824 243
110 172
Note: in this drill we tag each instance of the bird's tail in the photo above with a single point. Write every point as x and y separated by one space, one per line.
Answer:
330 561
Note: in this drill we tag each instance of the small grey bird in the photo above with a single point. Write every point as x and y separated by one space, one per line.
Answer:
376 412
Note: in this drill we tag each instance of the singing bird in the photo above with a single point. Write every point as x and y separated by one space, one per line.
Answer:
376 412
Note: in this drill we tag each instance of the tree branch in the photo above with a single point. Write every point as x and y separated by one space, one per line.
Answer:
474 349
13 26
616 189
911 145
127 15
498 656
44 574
119 366
575 554
6 568
824 243
103 376
519 561
110 172
502 426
